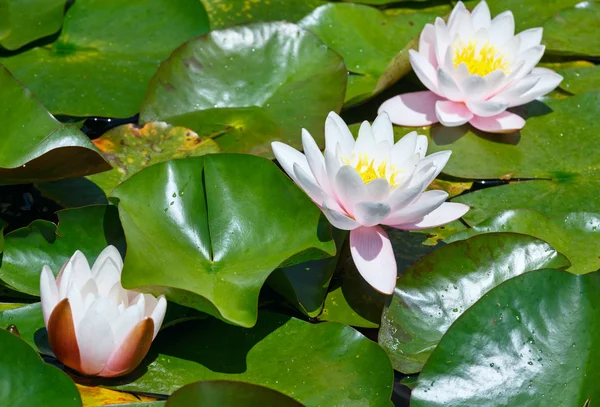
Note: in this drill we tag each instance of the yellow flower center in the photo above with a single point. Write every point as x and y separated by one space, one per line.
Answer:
368 171
479 59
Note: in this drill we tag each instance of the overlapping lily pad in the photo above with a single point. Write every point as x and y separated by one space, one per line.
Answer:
19 364
433 293
226 393
573 31
26 317
221 224
576 235
225 13
130 149
531 341
89 229
368 39
578 76
324 364
34 146
22 22
247 86
553 149
108 50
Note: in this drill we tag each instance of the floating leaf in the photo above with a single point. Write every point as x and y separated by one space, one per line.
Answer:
34 145
368 39
224 222
434 292
89 229
130 149
73 192
106 53
25 21
326 364
578 76
247 86
225 393
100 396
530 341
19 364
27 318
573 31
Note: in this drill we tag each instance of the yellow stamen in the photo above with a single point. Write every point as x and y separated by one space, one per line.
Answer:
480 60
368 171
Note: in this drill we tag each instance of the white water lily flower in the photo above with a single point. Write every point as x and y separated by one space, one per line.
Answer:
475 68
371 181
94 325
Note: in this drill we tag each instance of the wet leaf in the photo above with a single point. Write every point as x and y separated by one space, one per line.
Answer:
25 21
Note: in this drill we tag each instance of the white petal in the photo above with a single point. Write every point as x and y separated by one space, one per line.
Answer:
427 45
108 274
339 220
438 160
336 131
474 87
287 157
378 190
426 203
502 28
315 160
158 314
446 213
95 341
448 87
308 184
125 322
481 17
383 130
350 188
442 40
424 71
108 252
80 269
421 147
412 109
374 258
459 12
402 197
514 92
371 213
486 108
365 143
452 114
48 293
530 38
404 148
547 83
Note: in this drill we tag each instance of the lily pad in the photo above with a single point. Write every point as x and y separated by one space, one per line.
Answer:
578 76
25 21
553 149
433 293
19 363
106 53
224 222
100 396
130 149
224 393
368 39
34 145
73 192
27 318
316 364
225 13
89 229
573 31
247 86
576 235
531 341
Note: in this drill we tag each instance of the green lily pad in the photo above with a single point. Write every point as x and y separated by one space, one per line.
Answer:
573 31
578 76
89 229
247 86
531 341
433 293
34 145
553 149
26 21
225 13
224 393
106 53
130 149
27 318
225 222
368 39
576 235
19 364
316 364
73 192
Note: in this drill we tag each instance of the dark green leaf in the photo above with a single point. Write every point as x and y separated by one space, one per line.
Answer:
434 292
326 364
225 393
247 86
224 222
531 341
34 146
574 31
28 320
27 380
107 52
25 21
73 192
89 229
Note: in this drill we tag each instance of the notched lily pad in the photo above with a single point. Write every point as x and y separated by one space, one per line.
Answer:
130 149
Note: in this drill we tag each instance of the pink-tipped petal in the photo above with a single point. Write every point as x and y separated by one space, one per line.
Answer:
62 336
505 122
446 213
132 350
374 258
452 114
48 293
371 213
412 109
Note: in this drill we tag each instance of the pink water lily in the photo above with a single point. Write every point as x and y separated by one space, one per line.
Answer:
362 184
475 68
94 325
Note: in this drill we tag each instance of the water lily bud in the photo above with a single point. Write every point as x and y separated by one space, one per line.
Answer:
475 67
94 325
371 181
